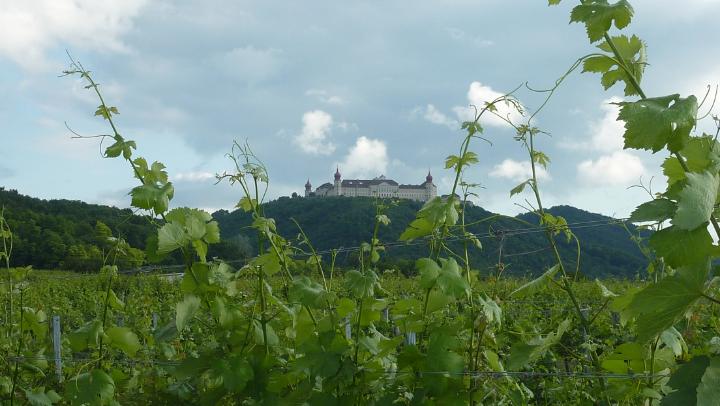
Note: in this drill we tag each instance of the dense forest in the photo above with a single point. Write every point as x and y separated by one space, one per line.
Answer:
606 249
51 234
73 235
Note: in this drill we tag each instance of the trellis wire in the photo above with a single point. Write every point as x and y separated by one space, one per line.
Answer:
473 374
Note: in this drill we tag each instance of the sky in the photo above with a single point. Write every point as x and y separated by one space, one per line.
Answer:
372 87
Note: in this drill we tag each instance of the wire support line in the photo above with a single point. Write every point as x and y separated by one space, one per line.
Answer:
473 374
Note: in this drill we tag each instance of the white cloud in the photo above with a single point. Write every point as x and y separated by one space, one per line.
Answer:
249 63
197 176
606 134
29 28
435 116
317 126
517 170
367 158
614 166
324 96
477 96
618 168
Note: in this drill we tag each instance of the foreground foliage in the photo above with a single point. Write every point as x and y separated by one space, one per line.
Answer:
267 334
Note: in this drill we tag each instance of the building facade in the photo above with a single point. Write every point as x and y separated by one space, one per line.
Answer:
379 187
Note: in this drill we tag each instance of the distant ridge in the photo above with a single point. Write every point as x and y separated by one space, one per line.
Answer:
45 231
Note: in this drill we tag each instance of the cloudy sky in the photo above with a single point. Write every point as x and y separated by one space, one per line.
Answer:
372 87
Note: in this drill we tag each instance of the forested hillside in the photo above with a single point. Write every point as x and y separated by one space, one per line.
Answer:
73 235
607 249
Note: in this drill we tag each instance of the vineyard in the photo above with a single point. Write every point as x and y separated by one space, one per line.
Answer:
288 326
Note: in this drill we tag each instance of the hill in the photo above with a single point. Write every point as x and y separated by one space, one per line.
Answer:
606 249
52 234
70 234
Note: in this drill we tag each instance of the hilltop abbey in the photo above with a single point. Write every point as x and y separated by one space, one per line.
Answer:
378 187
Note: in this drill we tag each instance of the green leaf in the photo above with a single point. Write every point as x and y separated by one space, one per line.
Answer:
95 388
236 373
86 336
519 188
152 197
120 147
473 127
521 354
696 200
38 397
212 232
658 306
246 204
361 284
536 284
309 293
682 247
124 339
632 55
171 236
186 310
450 281
598 16
540 158
626 358
708 391
429 271
685 381
657 210
653 123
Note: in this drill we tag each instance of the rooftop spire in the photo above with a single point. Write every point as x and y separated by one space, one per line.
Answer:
337 173
428 178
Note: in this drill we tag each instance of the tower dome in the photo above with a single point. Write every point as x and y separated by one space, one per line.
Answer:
428 178
307 184
337 174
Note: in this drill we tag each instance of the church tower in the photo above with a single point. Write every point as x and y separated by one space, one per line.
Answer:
308 188
430 188
338 183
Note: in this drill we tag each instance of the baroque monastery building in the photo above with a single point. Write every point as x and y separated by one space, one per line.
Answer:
378 187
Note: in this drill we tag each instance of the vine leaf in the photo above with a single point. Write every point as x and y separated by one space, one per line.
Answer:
696 200
708 392
652 123
627 357
124 339
361 284
599 15
659 305
309 293
185 311
685 381
38 397
120 147
633 56
682 247
655 210
536 284
93 388
522 354
171 236
519 188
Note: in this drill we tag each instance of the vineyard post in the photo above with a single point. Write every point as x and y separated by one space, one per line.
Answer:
154 321
348 328
57 347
